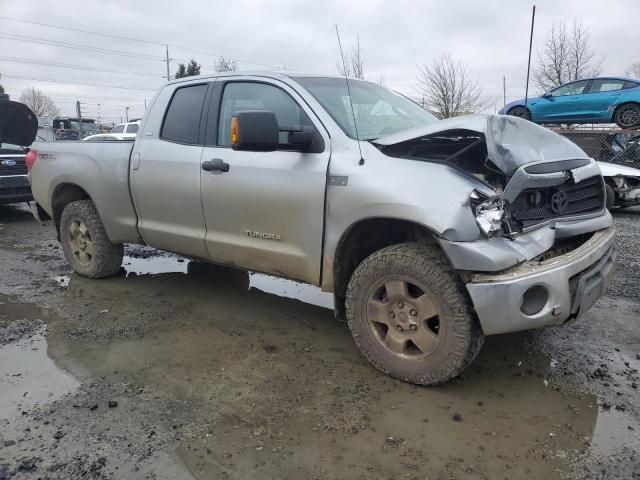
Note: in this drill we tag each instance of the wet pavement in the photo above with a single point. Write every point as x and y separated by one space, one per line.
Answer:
180 369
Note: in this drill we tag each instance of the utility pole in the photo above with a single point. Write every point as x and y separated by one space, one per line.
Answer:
79 112
126 112
504 91
167 52
145 104
526 91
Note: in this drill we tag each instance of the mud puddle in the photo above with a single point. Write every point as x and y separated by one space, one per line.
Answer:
27 375
281 390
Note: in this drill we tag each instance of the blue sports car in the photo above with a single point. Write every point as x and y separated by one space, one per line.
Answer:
594 100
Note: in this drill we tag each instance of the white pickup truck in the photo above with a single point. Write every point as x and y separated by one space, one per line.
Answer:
431 234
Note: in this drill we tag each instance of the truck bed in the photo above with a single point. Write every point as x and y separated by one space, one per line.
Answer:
101 168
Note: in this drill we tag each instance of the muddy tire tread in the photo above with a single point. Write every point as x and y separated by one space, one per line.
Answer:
468 337
108 256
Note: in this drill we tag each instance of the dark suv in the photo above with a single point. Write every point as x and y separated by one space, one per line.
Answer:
14 185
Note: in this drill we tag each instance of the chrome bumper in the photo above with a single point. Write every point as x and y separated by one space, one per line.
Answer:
572 282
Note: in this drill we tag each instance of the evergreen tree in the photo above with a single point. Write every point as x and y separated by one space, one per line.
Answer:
182 71
193 68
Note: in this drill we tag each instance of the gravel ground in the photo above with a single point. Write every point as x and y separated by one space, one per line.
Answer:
176 369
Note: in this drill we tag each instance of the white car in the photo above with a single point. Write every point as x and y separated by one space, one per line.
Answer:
102 137
622 184
127 130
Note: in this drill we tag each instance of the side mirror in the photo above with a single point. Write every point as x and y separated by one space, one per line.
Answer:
546 95
255 130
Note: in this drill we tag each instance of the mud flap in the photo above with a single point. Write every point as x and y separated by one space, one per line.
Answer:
38 212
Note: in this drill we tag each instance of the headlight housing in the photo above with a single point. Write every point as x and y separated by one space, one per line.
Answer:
489 213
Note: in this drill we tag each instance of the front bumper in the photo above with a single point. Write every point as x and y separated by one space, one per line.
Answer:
572 282
15 188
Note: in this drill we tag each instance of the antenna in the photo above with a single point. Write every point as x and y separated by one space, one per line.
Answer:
346 79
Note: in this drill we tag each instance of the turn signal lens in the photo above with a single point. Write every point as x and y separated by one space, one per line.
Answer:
30 159
234 130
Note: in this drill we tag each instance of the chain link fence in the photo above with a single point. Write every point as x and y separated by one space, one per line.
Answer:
607 145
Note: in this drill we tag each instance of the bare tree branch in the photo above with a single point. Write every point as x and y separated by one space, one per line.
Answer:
354 62
225 64
446 90
40 104
566 56
633 71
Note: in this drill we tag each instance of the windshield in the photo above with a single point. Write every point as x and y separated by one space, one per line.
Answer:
378 111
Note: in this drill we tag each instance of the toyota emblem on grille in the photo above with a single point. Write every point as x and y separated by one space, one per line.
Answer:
8 163
559 202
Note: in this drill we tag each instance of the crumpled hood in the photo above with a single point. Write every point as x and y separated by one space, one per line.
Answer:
18 124
511 141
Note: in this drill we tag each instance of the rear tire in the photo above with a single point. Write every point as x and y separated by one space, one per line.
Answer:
627 116
411 316
85 242
520 112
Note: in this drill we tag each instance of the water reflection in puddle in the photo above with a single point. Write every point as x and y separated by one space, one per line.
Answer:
28 376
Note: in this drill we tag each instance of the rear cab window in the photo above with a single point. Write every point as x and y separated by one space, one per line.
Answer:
132 128
606 85
182 118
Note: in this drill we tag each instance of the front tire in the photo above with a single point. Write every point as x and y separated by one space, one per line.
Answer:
628 116
520 112
85 242
410 315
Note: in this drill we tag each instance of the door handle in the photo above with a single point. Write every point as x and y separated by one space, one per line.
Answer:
216 164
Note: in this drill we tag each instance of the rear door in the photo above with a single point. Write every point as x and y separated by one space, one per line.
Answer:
603 93
165 172
266 212
563 103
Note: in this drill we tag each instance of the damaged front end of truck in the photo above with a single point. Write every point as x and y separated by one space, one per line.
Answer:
545 250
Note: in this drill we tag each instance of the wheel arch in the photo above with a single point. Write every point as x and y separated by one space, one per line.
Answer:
62 195
366 236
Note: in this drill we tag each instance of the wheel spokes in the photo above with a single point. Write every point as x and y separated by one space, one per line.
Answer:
424 339
426 308
378 311
396 289
395 341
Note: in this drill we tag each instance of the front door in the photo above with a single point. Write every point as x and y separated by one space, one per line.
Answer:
265 213
562 104
165 176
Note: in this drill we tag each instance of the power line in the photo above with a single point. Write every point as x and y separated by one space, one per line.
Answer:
76 46
80 30
102 85
75 67
120 37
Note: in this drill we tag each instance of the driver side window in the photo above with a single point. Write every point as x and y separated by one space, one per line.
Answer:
575 88
243 96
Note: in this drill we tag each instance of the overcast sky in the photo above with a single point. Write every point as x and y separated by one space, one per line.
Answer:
490 36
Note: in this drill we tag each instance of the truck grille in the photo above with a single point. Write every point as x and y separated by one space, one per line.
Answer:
538 205
12 165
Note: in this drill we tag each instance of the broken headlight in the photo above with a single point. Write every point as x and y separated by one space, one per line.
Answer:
489 213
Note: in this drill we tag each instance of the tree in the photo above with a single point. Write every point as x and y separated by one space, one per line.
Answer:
566 56
193 68
181 72
634 71
1 90
225 64
40 104
446 89
353 64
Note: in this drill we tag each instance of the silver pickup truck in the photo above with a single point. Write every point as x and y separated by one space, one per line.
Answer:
431 234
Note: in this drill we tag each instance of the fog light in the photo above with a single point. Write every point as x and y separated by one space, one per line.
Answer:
534 300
